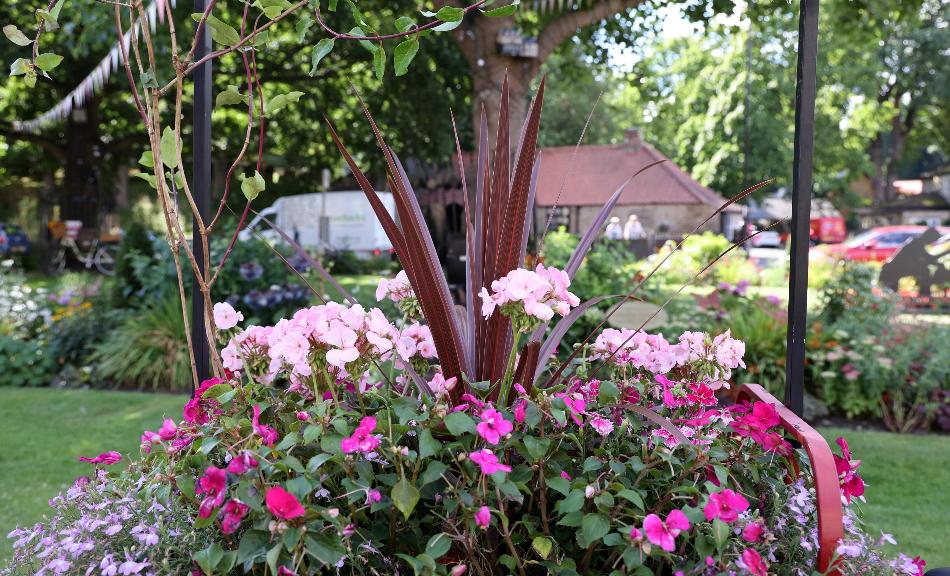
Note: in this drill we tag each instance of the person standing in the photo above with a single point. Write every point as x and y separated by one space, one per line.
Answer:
633 230
614 231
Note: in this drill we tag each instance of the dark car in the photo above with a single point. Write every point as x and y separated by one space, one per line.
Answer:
13 240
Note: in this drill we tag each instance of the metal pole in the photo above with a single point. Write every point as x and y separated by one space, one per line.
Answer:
201 189
801 204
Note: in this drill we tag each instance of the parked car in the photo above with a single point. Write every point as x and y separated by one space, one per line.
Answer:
877 244
13 240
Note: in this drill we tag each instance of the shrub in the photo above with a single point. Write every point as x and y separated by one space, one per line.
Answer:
147 350
608 269
24 362
684 264
347 262
23 309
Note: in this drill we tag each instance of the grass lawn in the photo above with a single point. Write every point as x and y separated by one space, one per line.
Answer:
43 431
908 479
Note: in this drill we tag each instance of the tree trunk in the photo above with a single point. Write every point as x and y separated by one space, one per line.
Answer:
879 178
478 41
79 193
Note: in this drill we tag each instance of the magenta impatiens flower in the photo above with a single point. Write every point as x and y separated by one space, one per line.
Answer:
108 458
493 426
664 533
268 435
234 511
214 485
241 463
852 485
362 439
488 462
753 563
725 505
483 517
283 504
168 431
753 532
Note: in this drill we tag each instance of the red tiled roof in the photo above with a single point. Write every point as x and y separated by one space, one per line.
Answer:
598 171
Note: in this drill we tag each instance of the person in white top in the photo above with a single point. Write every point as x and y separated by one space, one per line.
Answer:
633 230
614 230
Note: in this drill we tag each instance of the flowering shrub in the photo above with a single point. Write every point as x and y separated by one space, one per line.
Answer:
334 445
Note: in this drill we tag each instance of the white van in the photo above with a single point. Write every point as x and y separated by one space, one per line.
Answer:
351 223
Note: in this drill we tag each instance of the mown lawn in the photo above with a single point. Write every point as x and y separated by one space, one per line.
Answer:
43 431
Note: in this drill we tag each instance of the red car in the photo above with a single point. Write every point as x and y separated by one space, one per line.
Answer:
878 244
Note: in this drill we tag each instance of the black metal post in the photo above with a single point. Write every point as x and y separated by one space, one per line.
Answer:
201 190
806 82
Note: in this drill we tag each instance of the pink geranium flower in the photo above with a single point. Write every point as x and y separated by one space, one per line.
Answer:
362 439
664 533
576 405
108 458
725 505
225 316
483 517
283 504
488 462
603 426
493 426
753 563
268 435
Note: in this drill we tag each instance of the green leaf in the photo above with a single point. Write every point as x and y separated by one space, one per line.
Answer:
324 548
20 66
332 5
216 390
537 447
631 496
323 47
502 11
221 32
208 444
450 14
16 36
433 472
302 27
209 558
319 460
720 532
404 23
311 433
253 186
428 446
459 423
272 11
169 147
559 484
150 178
405 496
446 26
592 464
594 527
280 101
573 502
253 546
288 441
273 555
403 55
542 545
379 63
229 97
147 159
438 545
608 392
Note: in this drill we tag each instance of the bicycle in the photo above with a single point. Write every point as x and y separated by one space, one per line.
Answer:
101 255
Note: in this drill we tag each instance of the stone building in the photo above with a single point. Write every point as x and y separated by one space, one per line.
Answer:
667 201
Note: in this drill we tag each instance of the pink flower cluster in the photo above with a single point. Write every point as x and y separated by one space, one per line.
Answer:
225 316
652 352
330 334
538 294
396 289
415 341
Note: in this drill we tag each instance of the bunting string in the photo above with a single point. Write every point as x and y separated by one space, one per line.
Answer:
93 83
